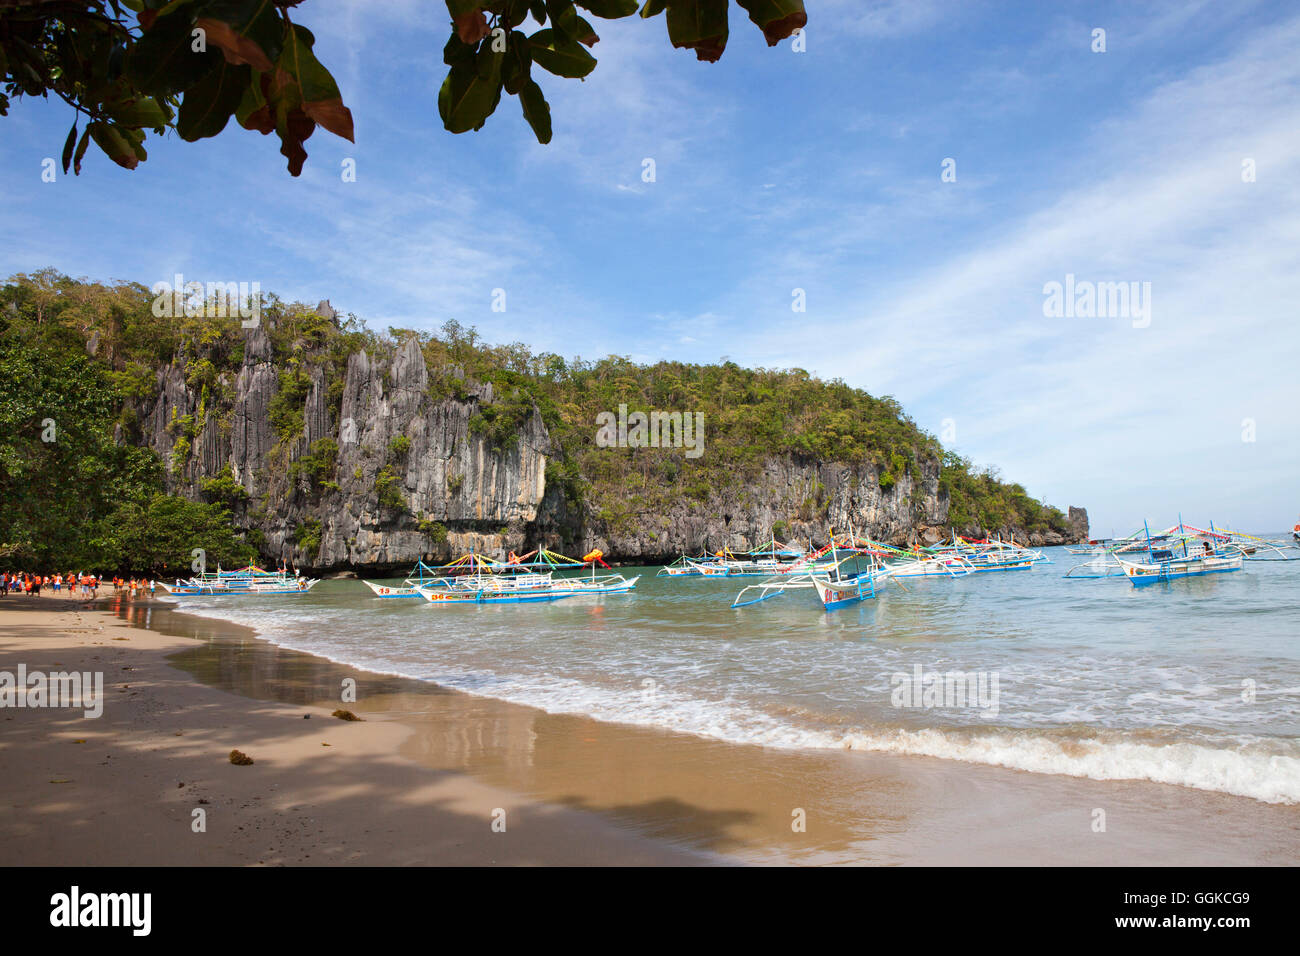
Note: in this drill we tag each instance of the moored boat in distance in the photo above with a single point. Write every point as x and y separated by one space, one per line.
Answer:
825 572
1170 569
247 581
1203 552
474 579
989 554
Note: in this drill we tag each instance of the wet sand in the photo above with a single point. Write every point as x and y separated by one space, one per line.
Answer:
418 780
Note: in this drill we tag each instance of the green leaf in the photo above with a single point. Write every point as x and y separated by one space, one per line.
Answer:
471 92
81 151
253 111
162 62
320 94
699 25
513 12
114 144
68 146
776 18
135 139
560 55
248 31
208 104
564 16
142 112
538 10
536 111
653 8
456 52
518 64
609 9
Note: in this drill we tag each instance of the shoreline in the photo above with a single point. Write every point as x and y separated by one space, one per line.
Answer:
123 789
587 792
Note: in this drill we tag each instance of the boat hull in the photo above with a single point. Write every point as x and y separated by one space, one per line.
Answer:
183 591
580 586
446 597
838 594
1144 575
389 592
1019 565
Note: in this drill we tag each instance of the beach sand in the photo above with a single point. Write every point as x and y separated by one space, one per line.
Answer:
422 778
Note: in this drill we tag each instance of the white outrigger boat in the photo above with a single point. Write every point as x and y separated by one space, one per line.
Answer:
1170 569
834 587
528 587
771 558
837 588
990 554
1253 548
244 582
835 584
494 589
474 579
1203 553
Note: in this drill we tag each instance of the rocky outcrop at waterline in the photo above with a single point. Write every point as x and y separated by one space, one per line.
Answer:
373 469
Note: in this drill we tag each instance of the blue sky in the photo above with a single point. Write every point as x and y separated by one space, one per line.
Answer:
778 170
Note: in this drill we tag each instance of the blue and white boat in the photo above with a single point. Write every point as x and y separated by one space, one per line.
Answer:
244 582
1198 558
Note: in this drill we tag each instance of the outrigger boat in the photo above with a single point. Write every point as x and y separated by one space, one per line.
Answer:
771 558
554 562
918 562
419 576
724 563
835 585
1204 552
1170 569
247 581
685 566
1105 560
987 555
838 589
493 589
475 579
1253 548
1220 550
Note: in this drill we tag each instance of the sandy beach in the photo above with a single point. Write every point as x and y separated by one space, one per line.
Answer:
121 789
427 772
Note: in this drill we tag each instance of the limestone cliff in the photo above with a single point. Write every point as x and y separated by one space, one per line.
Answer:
398 473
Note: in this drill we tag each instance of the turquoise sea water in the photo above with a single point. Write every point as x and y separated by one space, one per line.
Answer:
1194 683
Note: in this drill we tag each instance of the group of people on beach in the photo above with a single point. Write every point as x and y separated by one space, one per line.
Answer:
84 585
30 584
